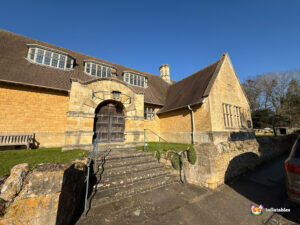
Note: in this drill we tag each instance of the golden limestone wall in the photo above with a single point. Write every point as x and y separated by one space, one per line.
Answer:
26 109
227 89
153 125
176 126
81 112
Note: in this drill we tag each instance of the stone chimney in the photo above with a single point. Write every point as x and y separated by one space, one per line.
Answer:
165 72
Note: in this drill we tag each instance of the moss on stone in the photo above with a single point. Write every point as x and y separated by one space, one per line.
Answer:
192 156
175 161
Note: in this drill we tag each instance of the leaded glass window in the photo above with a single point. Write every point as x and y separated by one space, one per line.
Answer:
149 113
131 78
40 56
50 58
143 81
93 69
135 79
104 72
62 61
47 58
127 77
54 59
88 68
108 72
32 53
69 63
98 71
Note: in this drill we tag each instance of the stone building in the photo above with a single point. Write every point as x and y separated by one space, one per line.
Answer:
66 97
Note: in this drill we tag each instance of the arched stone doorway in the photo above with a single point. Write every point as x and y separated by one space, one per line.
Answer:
109 122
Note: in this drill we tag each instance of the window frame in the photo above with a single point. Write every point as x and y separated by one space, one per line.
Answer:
232 116
135 79
149 113
100 70
47 57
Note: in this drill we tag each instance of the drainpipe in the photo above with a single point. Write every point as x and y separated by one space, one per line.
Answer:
193 124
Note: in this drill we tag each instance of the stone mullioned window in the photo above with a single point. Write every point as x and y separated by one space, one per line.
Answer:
97 69
135 79
49 57
149 113
232 116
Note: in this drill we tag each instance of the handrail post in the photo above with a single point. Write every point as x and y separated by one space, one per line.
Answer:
145 140
158 149
93 153
183 169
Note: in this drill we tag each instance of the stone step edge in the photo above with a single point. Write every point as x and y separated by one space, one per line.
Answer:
143 175
120 157
98 202
129 168
114 173
127 164
132 182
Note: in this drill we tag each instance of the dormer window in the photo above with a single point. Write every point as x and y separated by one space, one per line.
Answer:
49 57
135 79
98 69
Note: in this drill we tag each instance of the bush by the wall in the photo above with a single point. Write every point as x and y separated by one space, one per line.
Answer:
191 154
175 161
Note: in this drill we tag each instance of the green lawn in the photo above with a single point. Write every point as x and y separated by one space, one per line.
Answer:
10 158
164 147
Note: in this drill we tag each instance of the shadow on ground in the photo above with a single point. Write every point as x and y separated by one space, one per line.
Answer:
263 184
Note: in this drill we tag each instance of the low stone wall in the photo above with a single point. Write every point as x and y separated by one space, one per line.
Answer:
50 194
221 162
218 163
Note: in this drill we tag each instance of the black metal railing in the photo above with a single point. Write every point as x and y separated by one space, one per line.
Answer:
92 161
179 152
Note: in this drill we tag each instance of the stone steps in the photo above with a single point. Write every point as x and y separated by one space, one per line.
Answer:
124 162
128 169
112 181
125 172
121 152
119 192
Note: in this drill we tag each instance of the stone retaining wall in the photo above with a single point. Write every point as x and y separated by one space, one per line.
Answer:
221 162
218 163
50 194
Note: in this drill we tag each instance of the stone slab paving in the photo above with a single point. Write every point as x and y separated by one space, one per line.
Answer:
191 205
178 204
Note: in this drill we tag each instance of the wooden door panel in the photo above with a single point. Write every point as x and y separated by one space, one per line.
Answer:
110 122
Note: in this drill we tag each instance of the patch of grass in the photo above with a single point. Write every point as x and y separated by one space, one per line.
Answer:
10 158
164 147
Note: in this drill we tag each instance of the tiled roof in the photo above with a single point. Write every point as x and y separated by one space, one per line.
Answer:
192 89
14 67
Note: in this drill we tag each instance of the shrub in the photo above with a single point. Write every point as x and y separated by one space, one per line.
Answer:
175 161
191 154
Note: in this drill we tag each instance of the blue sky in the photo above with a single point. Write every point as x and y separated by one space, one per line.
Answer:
260 35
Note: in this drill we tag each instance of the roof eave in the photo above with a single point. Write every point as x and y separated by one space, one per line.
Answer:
33 85
181 107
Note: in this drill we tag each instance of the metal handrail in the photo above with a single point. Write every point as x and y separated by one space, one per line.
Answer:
180 153
94 152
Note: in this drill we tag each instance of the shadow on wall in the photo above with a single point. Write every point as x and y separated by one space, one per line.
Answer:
241 164
241 136
262 182
72 197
